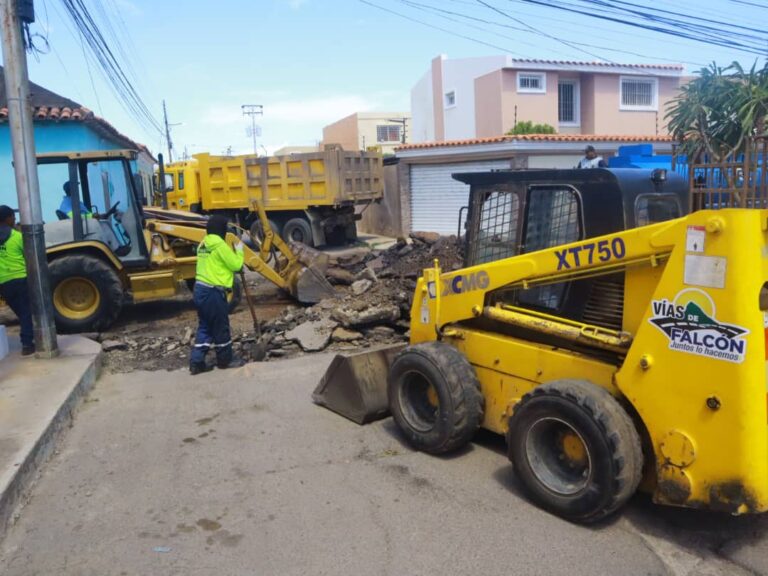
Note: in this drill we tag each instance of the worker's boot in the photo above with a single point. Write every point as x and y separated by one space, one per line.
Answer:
195 369
235 362
28 350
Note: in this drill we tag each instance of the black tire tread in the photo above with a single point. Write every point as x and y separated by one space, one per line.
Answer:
615 423
464 390
112 292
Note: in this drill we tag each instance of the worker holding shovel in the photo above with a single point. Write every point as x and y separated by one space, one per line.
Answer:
217 264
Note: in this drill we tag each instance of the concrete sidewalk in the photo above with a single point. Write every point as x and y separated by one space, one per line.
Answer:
37 398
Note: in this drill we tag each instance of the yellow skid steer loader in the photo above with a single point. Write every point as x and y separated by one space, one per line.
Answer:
614 342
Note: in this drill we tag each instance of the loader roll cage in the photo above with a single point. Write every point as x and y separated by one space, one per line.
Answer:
519 212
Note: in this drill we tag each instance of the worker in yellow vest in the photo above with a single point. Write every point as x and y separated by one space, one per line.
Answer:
13 277
217 264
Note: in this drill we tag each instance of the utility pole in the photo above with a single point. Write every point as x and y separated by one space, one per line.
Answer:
253 110
168 133
25 168
404 122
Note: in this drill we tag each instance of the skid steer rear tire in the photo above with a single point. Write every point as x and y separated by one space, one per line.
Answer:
233 298
434 396
87 293
575 450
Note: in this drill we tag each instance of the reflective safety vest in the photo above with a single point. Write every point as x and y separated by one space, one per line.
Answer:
12 263
217 262
66 207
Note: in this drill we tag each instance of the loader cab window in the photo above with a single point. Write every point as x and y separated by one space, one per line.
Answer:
495 230
169 183
181 180
107 186
655 208
553 218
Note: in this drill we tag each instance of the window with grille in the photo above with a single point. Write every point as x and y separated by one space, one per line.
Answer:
450 99
568 102
531 82
495 234
638 93
552 220
388 133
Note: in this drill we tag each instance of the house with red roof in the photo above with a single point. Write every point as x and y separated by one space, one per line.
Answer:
464 98
61 124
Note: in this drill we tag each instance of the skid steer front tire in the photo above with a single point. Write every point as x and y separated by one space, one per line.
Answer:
434 397
87 293
575 450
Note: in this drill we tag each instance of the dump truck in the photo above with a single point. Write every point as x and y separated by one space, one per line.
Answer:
615 341
117 251
309 197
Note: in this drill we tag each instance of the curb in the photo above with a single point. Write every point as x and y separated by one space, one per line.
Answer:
17 492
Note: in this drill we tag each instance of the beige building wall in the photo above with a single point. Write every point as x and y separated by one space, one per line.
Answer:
342 132
609 118
536 108
437 97
367 122
489 112
498 104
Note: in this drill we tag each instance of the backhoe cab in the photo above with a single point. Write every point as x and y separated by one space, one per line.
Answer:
105 250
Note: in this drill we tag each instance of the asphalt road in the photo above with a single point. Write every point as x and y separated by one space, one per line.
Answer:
238 472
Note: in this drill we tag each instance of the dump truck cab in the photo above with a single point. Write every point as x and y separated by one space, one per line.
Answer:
514 212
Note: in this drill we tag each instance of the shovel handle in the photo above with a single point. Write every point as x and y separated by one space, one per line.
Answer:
250 304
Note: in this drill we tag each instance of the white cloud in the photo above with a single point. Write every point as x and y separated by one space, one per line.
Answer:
296 4
128 7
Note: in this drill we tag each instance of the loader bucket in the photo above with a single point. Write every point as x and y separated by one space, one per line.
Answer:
355 385
311 286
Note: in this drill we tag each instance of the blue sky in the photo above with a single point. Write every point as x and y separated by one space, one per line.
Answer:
311 62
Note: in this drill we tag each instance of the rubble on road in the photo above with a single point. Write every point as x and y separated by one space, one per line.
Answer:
372 308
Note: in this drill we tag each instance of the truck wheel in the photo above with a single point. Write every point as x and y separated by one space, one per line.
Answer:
298 230
257 233
87 293
233 298
575 450
434 397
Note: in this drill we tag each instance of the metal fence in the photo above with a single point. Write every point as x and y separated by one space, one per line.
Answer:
737 182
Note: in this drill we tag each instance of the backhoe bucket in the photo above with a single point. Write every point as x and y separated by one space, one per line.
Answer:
355 385
311 286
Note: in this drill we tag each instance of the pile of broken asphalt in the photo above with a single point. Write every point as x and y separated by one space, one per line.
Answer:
374 289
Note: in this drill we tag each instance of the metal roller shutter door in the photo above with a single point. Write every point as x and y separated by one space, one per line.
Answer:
436 198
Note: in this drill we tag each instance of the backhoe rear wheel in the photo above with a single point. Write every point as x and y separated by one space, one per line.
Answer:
87 293
575 450
434 396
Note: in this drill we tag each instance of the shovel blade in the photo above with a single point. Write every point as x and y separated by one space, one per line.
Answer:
355 385
258 351
311 287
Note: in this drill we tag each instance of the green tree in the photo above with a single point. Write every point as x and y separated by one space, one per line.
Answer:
529 127
720 110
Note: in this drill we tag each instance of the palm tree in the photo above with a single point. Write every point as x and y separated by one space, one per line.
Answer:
720 111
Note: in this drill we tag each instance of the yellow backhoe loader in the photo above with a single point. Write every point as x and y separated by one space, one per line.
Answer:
614 341
111 250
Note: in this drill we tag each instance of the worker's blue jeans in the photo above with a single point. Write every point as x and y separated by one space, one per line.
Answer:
16 294
213 326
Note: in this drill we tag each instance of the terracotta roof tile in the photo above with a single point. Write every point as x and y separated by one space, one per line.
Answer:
538 138
601 64
79 114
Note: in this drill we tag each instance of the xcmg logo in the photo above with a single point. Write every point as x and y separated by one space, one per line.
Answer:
466 283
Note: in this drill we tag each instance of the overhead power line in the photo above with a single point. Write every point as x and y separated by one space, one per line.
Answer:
110 65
